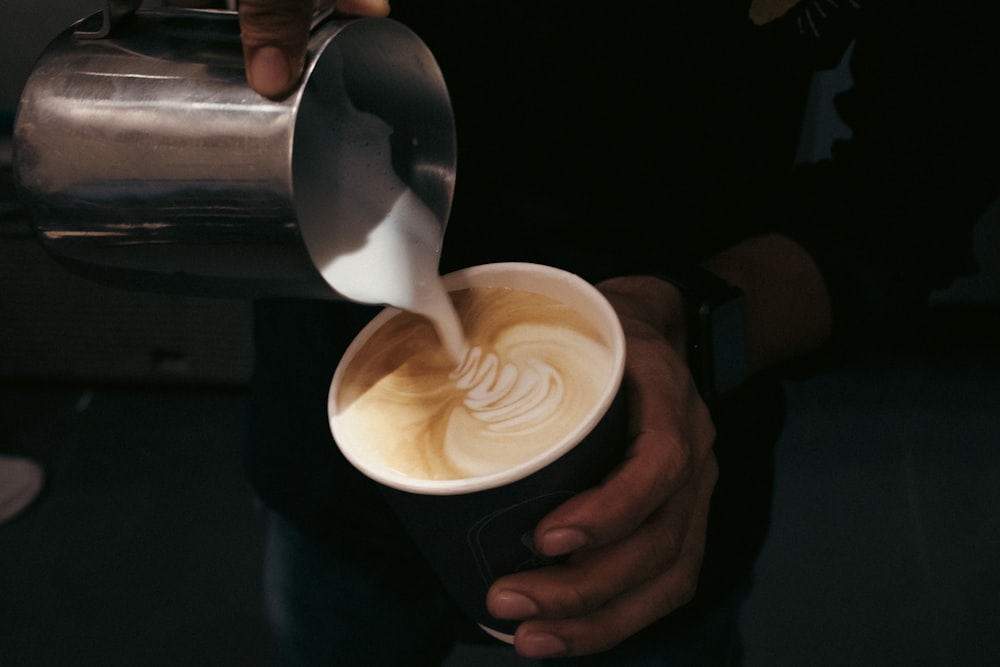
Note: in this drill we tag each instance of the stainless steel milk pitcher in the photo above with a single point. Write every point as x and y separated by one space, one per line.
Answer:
145 159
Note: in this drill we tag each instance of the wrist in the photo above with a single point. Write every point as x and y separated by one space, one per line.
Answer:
716 329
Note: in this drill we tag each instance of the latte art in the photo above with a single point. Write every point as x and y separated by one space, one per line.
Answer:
533 371
506 398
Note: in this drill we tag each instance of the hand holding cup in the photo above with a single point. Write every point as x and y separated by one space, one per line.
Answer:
472 469
633 545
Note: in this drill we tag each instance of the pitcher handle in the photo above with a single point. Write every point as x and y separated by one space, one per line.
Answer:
113 13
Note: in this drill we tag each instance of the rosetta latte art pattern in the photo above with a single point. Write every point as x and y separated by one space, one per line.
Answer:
533 371
506 398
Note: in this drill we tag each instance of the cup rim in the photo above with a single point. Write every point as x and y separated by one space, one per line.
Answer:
477 276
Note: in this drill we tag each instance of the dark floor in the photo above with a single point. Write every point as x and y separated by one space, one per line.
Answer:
886 538
884 549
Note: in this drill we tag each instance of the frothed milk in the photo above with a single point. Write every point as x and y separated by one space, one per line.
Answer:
389 254
535 368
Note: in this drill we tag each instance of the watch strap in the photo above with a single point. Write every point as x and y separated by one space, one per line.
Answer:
715 314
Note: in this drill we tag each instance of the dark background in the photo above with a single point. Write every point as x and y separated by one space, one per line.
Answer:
145 548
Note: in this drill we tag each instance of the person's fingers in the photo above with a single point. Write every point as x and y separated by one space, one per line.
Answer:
634 609
598 599
362 7
589 580
275 34
654 465
669 428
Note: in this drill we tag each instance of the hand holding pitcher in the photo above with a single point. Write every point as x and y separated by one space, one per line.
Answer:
275 34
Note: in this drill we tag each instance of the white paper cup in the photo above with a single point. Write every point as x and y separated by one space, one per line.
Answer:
477 529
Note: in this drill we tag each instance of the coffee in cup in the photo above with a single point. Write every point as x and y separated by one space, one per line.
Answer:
534 367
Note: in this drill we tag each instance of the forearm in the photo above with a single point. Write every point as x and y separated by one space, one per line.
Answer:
788 308
788 311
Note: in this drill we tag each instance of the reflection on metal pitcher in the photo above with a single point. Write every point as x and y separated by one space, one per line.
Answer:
146 160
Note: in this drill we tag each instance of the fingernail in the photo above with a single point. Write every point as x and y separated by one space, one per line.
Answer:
541 645
508 604
270 71
562 541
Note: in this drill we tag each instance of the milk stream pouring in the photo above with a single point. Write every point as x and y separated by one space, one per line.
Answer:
395 261
146 161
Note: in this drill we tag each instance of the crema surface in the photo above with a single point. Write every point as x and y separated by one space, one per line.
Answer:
534 370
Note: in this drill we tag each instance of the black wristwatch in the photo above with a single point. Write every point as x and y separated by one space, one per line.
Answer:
716 329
